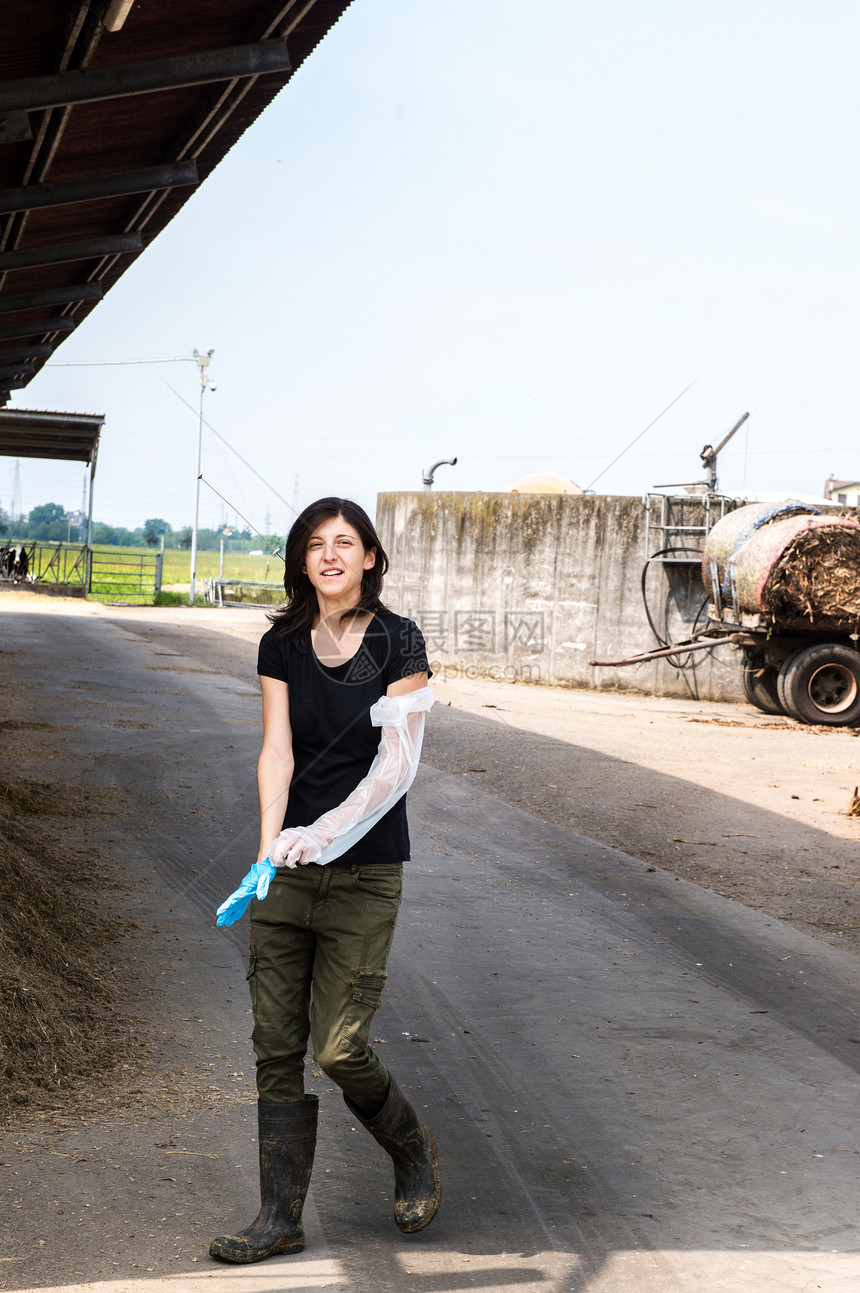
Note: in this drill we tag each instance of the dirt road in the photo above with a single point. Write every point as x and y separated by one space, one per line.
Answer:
750 806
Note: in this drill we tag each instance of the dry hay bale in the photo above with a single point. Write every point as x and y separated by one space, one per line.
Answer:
817 576
57 1025
786 571
728 535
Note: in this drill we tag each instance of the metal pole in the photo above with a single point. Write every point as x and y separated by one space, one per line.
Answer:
203 364
193 587
88 572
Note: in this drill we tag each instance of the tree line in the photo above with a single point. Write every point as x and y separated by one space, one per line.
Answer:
51 523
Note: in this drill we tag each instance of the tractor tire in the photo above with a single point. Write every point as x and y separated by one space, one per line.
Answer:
821 684
759 683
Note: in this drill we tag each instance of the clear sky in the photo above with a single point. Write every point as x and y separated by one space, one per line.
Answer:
509 232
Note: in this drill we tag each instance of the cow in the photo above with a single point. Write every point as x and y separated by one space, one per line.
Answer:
14 563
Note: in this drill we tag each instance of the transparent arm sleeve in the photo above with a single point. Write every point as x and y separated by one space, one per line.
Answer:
388 778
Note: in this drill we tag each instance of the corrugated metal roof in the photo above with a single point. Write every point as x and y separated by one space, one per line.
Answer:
95 148
73 437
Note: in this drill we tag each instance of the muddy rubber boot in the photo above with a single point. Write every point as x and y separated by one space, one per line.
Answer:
417 1191
288 1133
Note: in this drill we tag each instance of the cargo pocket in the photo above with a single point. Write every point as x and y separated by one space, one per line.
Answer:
367 988
365 1000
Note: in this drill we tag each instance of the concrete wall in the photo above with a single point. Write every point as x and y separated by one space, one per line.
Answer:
532 587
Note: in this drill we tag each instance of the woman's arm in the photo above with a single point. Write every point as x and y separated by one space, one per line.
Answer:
275 764
390 775
403 686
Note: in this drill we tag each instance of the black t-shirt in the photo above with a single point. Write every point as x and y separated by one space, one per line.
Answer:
334 742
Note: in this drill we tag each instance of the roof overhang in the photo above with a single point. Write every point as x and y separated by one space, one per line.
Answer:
111 113
73 437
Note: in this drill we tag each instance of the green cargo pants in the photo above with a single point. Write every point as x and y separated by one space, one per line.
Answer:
319 949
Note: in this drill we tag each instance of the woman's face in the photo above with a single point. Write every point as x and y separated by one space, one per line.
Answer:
335 560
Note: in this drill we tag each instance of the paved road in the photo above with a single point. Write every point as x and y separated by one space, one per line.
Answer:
636 1085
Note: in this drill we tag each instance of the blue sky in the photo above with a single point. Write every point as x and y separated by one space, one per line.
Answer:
511 233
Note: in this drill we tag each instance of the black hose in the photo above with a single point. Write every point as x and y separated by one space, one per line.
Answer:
687 662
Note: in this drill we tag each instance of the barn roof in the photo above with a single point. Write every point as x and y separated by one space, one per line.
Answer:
73 437
111 113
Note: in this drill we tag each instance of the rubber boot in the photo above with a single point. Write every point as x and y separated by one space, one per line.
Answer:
288 1133
417 1191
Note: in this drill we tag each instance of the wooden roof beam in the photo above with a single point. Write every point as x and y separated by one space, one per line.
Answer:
22 356
146 77
32 197
52 296
36 328
86 249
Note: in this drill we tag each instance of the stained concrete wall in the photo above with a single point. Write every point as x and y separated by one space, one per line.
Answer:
533 587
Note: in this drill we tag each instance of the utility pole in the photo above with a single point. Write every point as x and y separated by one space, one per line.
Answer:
15 513
202 364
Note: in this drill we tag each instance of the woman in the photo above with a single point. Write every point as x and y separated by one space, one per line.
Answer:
321 932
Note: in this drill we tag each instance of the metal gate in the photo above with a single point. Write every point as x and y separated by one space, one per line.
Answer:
119 574
244 592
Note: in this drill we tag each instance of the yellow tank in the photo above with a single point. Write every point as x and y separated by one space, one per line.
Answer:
544 483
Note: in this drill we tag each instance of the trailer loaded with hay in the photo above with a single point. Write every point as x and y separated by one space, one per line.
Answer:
783 583
785 580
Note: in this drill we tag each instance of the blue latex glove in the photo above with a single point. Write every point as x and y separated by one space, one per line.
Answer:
255 885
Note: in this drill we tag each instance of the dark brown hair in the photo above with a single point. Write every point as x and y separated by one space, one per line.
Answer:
302 605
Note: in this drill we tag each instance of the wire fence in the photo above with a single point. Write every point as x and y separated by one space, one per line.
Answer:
72 567
244 592
134 576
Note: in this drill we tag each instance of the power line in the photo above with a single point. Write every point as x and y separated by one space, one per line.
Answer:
640 435
267 483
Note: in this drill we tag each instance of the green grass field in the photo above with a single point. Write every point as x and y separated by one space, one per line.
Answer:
237 565
116 571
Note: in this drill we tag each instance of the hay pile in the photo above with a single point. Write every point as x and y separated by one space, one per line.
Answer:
57 1024
817 577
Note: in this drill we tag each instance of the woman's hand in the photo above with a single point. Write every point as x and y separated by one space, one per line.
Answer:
254 885
297 846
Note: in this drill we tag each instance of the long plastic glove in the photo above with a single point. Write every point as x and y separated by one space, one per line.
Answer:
388 778
255 885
